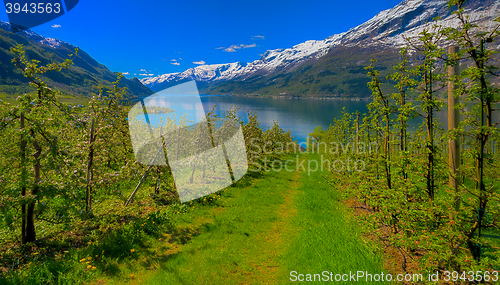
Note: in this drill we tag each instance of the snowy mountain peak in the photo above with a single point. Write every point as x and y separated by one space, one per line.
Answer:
386 29
270 61
52 42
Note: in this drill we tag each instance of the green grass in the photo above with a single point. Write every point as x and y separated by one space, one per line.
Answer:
238 241
254 232
69 99
325 240
287 221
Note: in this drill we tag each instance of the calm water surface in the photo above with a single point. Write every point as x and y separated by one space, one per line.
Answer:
300 116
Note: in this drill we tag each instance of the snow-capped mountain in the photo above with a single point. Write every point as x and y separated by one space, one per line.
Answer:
270 61
51 42
385 30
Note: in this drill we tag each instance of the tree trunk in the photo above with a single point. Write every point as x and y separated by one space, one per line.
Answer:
30 217
23 182
90 176
485 101
157 187
453 144
357 133
430 136
402 135
387 151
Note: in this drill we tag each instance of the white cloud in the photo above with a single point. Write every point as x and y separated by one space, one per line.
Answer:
173 59
143 74
56 26
199 62
220 48
125 73
233 48
237 46
258 37
250 46
143 70
175 63
151 74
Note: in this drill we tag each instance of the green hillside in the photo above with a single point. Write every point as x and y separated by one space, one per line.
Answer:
340 73
79 80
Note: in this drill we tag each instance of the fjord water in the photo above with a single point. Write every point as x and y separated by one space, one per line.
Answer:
300 116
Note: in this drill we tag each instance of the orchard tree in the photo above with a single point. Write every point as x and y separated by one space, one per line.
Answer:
36 117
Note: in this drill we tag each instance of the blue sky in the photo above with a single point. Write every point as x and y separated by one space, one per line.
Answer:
161 37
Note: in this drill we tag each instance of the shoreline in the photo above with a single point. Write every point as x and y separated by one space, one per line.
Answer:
295 97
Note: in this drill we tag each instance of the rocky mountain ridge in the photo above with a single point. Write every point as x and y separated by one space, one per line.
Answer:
384 32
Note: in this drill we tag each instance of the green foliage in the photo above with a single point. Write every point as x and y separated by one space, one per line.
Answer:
80 79
66 171
404 185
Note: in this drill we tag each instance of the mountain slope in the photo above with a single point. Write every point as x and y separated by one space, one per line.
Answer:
80 79
331 67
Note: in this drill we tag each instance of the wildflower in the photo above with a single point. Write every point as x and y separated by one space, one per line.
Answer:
132 250
93 267
89 266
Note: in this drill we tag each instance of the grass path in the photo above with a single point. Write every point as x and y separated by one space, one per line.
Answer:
262 230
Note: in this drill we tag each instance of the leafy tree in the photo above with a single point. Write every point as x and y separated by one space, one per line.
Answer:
37 116
475 84
105 116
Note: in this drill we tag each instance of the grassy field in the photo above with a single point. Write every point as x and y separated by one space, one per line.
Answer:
254 232
69 99
262 230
